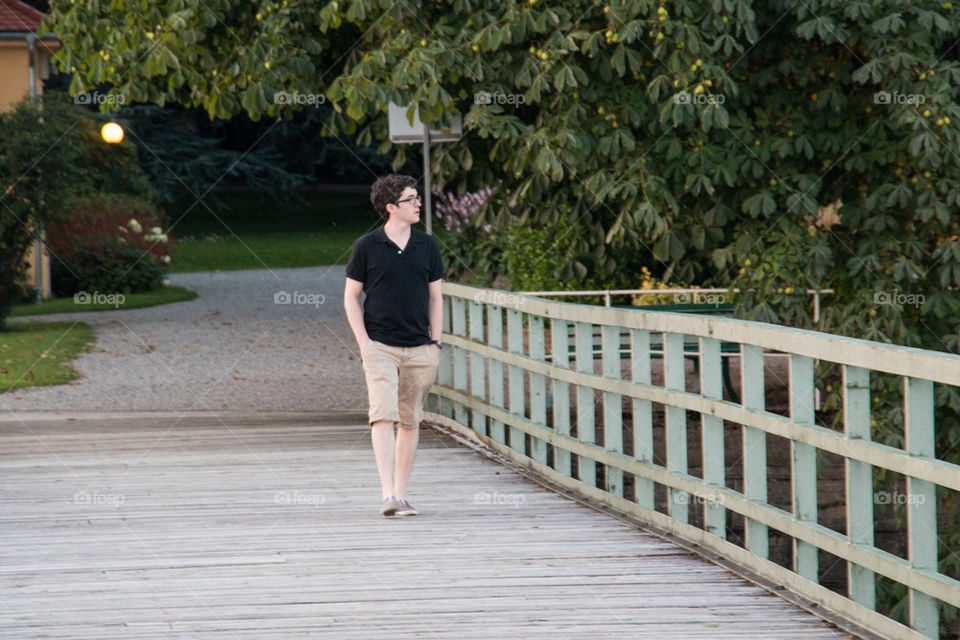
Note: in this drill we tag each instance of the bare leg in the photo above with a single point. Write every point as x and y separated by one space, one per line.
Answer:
381 434
407 440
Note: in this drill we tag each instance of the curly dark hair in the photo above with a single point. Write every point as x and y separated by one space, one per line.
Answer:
387 190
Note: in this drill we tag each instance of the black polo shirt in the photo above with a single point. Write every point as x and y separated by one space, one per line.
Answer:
397 308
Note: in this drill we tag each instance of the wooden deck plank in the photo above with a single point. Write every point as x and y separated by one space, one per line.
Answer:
220 527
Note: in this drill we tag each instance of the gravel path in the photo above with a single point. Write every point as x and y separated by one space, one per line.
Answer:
232 348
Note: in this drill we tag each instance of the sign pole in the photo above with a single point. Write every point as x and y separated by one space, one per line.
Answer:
404 130
426 178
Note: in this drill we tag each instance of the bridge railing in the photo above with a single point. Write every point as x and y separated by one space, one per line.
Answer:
548 384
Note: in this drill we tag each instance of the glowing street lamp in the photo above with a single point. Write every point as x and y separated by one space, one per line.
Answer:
112 134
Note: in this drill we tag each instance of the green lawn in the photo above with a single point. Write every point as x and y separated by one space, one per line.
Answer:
105 303
39 353
256 232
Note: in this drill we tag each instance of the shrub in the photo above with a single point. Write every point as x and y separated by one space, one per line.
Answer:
471 252
544 257
108 243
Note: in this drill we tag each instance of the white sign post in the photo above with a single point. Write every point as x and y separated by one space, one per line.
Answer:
403 132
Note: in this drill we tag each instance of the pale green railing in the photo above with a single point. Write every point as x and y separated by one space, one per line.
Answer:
490 332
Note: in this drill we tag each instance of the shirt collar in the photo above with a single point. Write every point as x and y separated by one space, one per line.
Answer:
380 235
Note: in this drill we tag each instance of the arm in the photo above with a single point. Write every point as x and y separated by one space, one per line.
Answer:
436 309
351 304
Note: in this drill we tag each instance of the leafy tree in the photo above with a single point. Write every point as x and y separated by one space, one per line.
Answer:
706 135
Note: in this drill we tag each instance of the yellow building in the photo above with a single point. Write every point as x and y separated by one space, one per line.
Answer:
24 64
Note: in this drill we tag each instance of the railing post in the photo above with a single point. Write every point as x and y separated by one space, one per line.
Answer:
612 407
921 502
860 497
460 357
445 366
586 432
752 394
804 459
518 439
538 389
674 373
560 353
495 339
711 443
478 368
642 414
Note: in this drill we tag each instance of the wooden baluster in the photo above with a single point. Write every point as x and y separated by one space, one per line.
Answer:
860 496
478 368
804 467
642 414
712 444
754 446
586 430
612 407
538 388
921 502
460 358
675 377
517 400
560 346
495 339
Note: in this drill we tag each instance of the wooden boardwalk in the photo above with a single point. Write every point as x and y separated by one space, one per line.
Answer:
267 527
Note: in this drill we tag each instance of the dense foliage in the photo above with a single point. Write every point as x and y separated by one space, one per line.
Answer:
707 135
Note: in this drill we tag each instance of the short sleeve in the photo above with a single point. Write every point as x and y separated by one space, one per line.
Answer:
357 267
436 262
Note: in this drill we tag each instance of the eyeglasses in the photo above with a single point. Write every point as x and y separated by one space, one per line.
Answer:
416 199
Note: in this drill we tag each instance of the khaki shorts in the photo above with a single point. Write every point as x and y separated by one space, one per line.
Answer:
398 379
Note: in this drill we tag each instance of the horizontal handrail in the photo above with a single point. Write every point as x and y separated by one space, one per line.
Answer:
888 358
607 293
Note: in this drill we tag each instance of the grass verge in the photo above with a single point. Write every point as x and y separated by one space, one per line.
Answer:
253 231
104 302
39 353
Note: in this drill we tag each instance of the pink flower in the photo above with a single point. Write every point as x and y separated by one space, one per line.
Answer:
458 212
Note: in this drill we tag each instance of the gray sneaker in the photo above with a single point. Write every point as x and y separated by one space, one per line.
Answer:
390 506
405 509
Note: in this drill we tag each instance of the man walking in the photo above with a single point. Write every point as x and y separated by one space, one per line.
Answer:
398 329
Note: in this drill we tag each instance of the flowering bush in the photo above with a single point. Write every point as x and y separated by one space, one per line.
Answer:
647 281
108 243
457 213
471 252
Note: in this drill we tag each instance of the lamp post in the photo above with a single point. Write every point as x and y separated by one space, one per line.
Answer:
112 134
